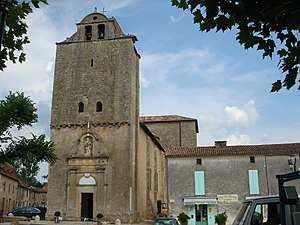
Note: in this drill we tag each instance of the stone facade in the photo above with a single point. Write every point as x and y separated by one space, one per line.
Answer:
173 130
14 192
104 154
226 177
8 191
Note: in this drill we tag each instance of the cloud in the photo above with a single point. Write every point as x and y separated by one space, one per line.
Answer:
177 19
194 82
243 117
159 67
241 139
143 81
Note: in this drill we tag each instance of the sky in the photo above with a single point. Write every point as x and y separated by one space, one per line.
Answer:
206 76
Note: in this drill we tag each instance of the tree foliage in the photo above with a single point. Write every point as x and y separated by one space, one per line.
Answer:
25 154
15 34
16 110
269 25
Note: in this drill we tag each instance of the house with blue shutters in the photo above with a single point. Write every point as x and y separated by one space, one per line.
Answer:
204 181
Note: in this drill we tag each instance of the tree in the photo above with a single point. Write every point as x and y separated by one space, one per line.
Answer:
269 25
15 34
24 154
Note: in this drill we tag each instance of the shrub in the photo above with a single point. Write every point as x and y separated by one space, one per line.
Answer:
183 218
221 218
99 216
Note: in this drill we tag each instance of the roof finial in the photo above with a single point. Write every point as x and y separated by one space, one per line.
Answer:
95 9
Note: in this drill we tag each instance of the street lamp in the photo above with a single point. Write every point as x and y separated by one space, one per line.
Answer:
3 12
292 162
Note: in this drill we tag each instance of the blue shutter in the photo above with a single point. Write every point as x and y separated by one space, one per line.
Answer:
199 183
253 182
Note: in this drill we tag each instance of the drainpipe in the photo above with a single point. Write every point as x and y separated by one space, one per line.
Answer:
267 175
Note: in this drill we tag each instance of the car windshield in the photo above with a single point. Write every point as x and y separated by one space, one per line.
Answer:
240 218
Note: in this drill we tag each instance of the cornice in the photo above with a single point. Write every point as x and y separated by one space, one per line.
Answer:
72 125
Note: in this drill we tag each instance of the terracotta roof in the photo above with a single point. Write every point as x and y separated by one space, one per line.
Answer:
167 118
43 189
9 171
164 118
268 149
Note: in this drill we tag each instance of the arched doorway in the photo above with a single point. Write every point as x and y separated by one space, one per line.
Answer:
87 198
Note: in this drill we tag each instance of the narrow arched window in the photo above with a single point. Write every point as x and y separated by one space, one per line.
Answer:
101 31
80 107
99 107
88 32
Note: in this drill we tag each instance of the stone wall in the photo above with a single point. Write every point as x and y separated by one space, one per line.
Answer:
175 133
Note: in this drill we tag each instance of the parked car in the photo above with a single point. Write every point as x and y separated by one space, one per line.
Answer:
43 208
266 210
166 221
27 212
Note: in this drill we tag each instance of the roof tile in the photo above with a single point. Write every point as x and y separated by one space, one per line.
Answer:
268 149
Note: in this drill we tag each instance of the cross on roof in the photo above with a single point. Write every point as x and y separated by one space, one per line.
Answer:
103 11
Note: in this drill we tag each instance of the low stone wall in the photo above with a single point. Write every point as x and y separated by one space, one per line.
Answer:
15 220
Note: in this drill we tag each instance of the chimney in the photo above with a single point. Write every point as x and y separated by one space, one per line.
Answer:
219 144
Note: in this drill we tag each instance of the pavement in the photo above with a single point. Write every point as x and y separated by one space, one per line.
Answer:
44 222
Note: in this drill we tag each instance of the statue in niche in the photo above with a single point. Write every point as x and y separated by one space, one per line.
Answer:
88 146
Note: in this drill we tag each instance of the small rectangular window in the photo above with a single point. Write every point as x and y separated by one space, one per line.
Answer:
99 107
199 161
252 159
80 107
92 62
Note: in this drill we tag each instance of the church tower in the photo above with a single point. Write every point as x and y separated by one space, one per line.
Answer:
95 123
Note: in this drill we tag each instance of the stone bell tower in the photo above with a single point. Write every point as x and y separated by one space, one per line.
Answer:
95 122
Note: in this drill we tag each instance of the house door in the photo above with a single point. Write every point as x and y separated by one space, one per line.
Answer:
87 202
201 214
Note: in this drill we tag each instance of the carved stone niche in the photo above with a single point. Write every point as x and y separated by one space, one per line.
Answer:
89 145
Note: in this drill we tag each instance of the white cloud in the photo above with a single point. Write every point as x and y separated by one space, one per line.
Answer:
241 139
49 68
143 81
245 116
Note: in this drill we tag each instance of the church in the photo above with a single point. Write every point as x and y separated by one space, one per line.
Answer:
108 161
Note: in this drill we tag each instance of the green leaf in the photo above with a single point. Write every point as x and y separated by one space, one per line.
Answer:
198 18
15 34
193 4
290 78
22 57
211 8
276 86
